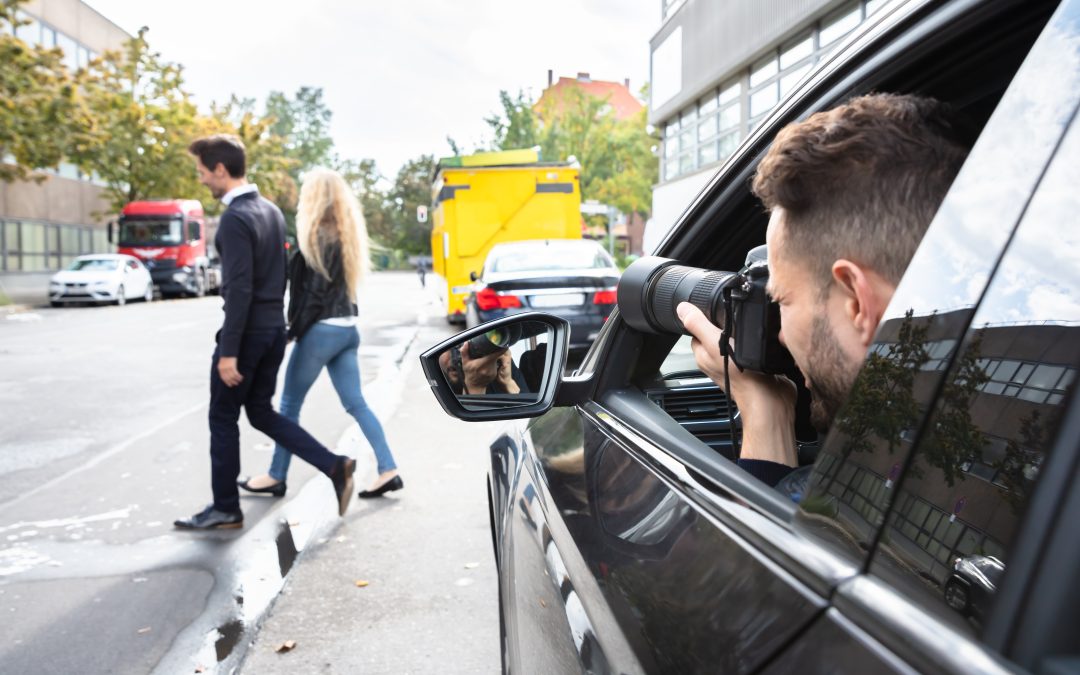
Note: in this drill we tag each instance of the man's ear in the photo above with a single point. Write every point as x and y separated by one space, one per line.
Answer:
865 293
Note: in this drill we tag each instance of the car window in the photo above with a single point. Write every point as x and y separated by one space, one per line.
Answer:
94 264
854 478
545 258
962 502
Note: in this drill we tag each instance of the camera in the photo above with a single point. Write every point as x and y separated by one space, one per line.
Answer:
494 340
652 287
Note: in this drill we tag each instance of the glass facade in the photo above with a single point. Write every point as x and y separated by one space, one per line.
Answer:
32 246
706 133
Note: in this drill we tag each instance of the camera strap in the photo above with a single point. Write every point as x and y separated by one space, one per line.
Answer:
725 350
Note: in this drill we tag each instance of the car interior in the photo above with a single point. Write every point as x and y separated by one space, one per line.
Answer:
967 63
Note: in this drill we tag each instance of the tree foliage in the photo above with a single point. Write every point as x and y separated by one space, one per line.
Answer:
144 120
617 157
43 119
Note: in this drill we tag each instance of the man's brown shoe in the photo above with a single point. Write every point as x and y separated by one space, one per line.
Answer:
342 477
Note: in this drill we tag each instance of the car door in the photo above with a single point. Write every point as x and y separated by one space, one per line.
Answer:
988 314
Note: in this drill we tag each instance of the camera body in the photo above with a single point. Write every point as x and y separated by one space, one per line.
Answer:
652 287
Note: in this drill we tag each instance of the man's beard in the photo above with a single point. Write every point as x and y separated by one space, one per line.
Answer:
831 376
217 193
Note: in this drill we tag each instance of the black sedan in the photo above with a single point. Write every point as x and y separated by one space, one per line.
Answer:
972 585
571 278
627 542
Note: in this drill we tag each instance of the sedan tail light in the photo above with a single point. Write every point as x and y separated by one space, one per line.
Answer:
487 299
604 298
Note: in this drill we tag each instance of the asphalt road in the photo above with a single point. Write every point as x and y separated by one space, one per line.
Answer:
103 443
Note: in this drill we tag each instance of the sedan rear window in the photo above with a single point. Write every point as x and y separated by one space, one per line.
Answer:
545 258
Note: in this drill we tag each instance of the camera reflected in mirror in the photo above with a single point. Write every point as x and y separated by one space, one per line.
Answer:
502 368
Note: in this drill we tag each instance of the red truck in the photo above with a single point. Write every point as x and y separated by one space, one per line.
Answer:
170 237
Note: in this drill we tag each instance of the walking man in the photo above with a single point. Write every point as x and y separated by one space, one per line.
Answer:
251 343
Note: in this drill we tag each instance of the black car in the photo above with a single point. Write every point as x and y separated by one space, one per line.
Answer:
972 585
571 278
627 542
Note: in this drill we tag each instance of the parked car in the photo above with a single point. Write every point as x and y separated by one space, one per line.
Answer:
101 278
625 542
571 278
972 585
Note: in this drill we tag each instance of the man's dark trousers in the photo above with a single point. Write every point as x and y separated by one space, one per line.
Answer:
260 357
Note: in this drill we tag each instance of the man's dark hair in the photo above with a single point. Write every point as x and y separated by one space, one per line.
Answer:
223 149
861 181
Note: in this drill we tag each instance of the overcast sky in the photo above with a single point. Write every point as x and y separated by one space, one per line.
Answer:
399 76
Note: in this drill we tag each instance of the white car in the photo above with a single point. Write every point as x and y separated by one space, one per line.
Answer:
103 277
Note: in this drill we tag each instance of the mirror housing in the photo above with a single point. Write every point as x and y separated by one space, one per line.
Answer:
555 363
473 276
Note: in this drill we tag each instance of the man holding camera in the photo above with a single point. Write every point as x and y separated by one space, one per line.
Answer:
850 192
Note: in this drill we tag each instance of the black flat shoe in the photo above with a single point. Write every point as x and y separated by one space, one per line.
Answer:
277 490
211 519
394 483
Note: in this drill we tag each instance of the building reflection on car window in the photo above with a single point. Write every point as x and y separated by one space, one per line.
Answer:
854 479
962 501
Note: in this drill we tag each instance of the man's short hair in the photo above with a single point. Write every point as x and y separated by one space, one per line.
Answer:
861 181
223 149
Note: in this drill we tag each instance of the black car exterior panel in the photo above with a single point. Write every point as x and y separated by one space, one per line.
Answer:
836 646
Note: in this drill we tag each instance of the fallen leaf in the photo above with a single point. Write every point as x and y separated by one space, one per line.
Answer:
200 668
361 583
143 631
471 566
285 646
542 603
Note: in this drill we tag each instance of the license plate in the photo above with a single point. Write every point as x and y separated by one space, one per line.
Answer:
558 300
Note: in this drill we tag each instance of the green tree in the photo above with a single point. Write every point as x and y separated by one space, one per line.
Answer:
43 119
411 188
303 123
516 126
144 123
617 157
267 163
364 178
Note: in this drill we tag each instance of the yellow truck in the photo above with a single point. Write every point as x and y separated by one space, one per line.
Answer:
487 198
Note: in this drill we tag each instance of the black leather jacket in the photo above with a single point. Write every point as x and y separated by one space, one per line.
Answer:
313 297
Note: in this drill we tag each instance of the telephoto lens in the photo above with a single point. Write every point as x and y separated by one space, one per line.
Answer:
652 287
494 340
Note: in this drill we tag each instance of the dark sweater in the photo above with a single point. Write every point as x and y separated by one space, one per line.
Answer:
251 241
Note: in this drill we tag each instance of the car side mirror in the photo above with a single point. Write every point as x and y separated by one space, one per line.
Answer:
504 369
473 275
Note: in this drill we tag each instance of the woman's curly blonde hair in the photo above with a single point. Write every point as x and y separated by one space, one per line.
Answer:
329 212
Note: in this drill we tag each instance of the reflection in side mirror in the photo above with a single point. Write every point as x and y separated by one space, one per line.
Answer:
473 275
504 369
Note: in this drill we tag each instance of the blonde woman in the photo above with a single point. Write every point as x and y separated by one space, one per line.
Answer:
324 277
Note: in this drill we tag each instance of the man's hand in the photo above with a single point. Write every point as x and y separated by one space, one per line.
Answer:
479 372
506 374
766 402
228 371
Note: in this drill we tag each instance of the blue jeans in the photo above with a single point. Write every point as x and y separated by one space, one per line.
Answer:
335 348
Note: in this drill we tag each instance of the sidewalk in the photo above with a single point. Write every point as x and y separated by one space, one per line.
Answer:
430 603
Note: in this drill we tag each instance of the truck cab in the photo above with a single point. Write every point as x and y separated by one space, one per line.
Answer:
170 237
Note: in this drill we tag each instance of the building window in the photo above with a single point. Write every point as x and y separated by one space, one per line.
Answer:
770 79
839 24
